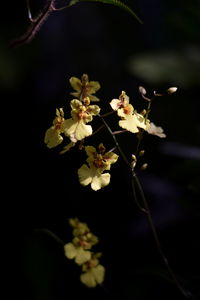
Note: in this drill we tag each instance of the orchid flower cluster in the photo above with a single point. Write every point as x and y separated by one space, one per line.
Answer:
76 128
79 249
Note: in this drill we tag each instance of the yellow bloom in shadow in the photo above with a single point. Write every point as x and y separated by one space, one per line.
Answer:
78 253
98 162
53 135
94 273
84 88
75 127
131 120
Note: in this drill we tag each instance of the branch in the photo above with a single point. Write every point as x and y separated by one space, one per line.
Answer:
35 25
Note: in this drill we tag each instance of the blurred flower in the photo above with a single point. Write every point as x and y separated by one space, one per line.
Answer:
94 273
75 127
84 87
53 135
98 163
156 130
80 255
172 90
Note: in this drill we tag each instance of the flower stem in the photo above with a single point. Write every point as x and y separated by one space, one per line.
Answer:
145 209
119 131
115 141
107 114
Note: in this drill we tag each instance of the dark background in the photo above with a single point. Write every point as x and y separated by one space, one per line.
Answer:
41 188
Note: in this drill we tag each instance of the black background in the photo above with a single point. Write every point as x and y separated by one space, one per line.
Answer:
41 188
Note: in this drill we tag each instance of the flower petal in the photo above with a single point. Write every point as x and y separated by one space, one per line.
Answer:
88 279
94 86
85 175
98 273
125 111
90 150
78 130
70 250
82 130
75 83
100 180
94 98
82 256
115 104
129 124
156 130
52 137
93 110
75 104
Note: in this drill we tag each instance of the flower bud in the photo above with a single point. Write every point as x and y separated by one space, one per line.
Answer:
172 90
141 153
144 167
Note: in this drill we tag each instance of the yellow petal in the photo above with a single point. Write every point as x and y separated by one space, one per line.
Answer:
70 126
129 124
98 273
90 150
75 104
52 138
78 130
94 98
126 111
75 83
93 110
82 256
82 130
111 157
88 279
70 251
99 181
115 104
94 87
85 175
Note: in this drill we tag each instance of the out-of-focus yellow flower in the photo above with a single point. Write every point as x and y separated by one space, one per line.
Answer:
75 127
53 135
78 253
84 88
98 162
156 130
131 120
94 273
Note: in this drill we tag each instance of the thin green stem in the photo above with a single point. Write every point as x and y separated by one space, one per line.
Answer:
115 141
145 209
155 235
119 131
98 129
108 114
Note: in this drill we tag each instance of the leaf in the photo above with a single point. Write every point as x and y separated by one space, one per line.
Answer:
112 2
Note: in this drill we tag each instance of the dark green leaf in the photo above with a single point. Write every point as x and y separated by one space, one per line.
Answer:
112 2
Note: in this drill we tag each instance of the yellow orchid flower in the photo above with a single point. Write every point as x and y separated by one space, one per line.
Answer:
98 162
121 102
131 120
78 253
75 127
94 273
84 87
53 135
